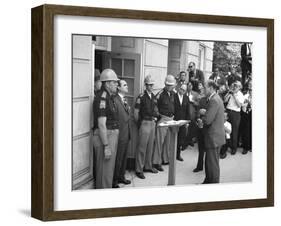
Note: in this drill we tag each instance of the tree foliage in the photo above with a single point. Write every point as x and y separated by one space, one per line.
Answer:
226 55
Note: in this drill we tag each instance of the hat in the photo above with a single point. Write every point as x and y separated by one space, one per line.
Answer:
108 75
148 80
170 80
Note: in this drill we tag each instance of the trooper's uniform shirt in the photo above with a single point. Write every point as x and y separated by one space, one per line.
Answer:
164 140
148 112
147 106
104 106
165 102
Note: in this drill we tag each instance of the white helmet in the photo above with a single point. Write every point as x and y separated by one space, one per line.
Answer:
170 80
148 80
108 75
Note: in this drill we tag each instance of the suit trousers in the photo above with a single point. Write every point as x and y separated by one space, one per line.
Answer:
181 138
191 133
234 119
212 167
121 160
201 148
145 146
105 167
163 143
246 130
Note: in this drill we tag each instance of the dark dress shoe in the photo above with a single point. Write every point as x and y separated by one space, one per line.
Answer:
180 158
115 186
150 170
233 151
165 163
197 170
223 156
159 167
244 152
140 175
124 181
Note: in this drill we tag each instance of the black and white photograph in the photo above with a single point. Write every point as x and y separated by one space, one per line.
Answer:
156 112
139 112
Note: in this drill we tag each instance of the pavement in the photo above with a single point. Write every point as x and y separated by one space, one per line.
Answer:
234 169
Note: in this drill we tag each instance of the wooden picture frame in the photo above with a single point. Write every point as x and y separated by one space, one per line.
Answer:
43 112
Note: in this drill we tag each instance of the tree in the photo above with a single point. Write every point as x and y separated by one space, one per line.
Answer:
226 55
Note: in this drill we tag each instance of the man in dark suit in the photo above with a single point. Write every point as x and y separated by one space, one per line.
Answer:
246 61
214 134
195 76
181 113
218 77
233 77
123 112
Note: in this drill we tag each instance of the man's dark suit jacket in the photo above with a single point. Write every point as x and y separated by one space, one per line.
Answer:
124 118
198 74
182 111
214 134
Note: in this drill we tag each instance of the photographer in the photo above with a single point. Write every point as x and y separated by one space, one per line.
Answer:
234 100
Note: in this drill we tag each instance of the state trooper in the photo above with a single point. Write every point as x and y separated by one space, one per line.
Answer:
165 103
106 129
146 113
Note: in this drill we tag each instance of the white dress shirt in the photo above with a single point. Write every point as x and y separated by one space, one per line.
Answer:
180 98
232 105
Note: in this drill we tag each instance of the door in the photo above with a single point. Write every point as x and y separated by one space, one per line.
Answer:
127 67
82 101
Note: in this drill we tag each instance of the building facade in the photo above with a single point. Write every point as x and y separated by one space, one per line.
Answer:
132 59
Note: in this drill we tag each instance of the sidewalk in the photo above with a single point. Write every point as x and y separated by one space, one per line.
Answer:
234 168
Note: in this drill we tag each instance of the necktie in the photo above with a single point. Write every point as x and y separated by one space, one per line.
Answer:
125 103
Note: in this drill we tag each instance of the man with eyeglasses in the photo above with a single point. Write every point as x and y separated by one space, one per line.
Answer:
195 76
146 114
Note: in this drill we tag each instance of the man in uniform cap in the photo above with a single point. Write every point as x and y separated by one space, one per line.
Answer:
166 107
106 129
146 113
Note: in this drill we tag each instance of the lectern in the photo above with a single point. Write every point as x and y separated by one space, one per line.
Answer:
174 127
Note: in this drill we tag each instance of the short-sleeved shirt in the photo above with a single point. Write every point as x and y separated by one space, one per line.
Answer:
231 103
166 103
104 106
147 106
